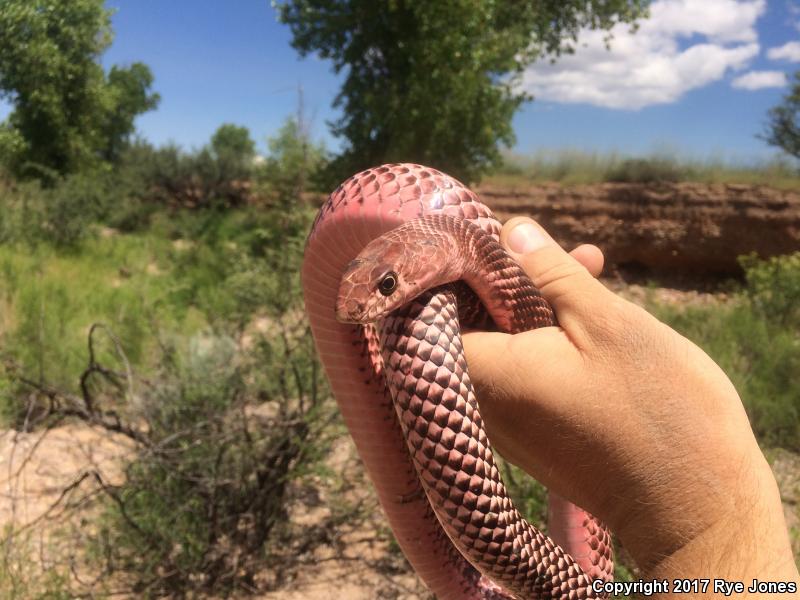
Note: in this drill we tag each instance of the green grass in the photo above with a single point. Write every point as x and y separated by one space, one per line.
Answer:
573 167
50 299
185 273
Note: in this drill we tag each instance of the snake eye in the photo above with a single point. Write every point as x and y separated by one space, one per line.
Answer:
388 283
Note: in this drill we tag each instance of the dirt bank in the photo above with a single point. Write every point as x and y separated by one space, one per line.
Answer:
660 229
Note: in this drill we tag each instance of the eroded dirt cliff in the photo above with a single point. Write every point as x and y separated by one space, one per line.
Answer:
664 228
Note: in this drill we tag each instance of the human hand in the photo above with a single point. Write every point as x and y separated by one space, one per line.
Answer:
631 421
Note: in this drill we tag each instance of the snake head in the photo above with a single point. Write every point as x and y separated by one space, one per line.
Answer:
392 270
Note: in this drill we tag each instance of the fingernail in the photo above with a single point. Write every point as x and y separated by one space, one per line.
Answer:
525 238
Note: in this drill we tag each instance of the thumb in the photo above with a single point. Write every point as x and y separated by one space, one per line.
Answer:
565 283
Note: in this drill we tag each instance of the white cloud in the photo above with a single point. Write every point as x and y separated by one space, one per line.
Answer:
652 66
757 80
794 13
789 51
719 20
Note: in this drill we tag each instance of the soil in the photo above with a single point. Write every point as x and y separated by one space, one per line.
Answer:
36 467
676 231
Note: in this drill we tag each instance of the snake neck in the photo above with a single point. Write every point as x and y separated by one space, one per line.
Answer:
507 293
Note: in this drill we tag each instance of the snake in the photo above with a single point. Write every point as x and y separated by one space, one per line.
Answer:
400 259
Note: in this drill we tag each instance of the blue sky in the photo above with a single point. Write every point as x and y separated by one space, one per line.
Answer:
697 79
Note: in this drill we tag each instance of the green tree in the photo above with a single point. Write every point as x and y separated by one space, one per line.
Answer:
783 128
233 141
234 150
68 114
293 160
131 96
230 156
434 82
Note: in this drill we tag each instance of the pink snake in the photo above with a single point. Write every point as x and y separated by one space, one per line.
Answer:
398 259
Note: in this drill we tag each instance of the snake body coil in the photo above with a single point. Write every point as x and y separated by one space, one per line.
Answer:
399 258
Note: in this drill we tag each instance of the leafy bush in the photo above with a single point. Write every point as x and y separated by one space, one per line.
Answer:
651 170
150 180
234 151
171 177
63 213
227 431
226 435
773 289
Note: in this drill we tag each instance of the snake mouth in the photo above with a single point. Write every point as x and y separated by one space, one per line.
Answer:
350 311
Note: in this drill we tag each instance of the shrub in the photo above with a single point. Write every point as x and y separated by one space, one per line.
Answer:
234 151
773 289
215 176
650 170
230 411
226 431
63 213
207 494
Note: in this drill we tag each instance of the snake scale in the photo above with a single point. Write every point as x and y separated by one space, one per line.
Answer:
398 260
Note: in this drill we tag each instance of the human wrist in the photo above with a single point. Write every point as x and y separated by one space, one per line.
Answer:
748 541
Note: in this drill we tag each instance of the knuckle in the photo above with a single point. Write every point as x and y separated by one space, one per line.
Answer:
556 273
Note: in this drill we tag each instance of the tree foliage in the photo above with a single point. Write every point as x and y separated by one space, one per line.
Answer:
293 159
131 96
233 151
434 82
68 113
783 128
233 142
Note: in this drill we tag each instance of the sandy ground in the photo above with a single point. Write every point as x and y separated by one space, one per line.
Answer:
362 564
36 467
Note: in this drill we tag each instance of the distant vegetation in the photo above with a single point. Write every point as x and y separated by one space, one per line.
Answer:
579 167
783 125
